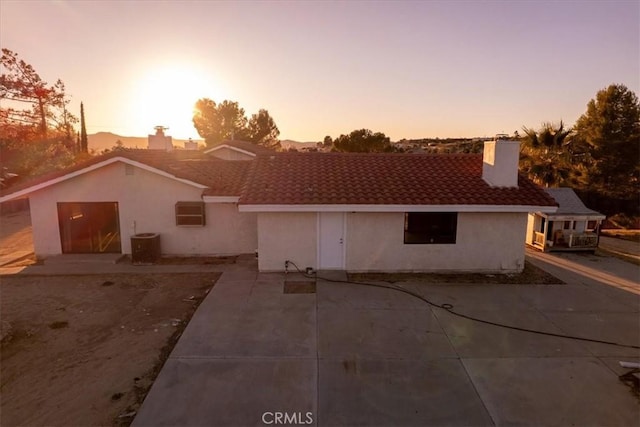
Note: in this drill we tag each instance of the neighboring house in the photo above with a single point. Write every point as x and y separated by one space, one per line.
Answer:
237 150
359 212
573 227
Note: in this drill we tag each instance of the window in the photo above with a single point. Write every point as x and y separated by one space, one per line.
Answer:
190 213
567 225
430 227
591 225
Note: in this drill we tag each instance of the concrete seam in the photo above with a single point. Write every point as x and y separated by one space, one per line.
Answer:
475 389
466 371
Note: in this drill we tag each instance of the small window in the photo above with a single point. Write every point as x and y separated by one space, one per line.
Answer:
190 213
567 225
430 227
591 225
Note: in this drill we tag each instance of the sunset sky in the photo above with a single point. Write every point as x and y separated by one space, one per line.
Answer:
408 69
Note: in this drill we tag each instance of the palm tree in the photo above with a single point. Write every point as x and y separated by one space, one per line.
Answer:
545 154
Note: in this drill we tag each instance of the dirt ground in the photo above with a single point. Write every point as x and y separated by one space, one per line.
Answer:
84 350
15 233
530 274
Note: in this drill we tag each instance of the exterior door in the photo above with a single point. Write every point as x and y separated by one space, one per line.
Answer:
331 241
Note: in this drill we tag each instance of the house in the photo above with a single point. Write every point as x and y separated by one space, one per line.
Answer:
393 212
573 227
186 196
237 150
356 212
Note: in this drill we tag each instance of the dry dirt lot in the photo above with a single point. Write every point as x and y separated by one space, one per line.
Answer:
15 233
84 350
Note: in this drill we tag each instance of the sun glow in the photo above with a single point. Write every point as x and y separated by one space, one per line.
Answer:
165 96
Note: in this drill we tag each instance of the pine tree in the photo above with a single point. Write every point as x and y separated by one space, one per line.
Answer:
610 128
84 144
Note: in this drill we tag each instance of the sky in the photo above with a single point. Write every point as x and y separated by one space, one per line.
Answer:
420 69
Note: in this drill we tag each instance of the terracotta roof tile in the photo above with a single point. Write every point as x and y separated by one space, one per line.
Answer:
393 179
331 178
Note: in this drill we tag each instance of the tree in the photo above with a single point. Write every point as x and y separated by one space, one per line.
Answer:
215 123
545 156
31 101
262 130
610 131
327 141
36 129
363 141
84 142
227 120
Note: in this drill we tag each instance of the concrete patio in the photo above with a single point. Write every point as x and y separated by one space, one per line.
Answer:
355 355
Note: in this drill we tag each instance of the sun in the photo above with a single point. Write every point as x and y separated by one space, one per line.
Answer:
165 96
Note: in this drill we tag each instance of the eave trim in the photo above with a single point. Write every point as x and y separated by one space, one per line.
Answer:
395 208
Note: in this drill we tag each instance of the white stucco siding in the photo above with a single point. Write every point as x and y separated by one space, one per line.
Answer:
488 242
227 231
44 225
286 236
146 203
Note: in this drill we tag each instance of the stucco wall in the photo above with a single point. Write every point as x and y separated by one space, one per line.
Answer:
488 242
286 236
146 203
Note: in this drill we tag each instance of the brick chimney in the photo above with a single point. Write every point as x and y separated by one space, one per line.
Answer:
500 162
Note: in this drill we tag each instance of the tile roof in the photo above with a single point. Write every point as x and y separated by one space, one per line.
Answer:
569 202
222 178
330 178
380 179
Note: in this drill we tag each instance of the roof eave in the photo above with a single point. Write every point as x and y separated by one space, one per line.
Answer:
220 199
392 208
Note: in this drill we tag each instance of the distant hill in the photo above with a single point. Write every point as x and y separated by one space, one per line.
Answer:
106 140
288 143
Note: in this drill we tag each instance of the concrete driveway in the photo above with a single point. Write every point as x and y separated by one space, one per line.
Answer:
353 355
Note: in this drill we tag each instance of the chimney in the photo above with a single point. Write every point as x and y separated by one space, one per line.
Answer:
160 141
500 162
190 145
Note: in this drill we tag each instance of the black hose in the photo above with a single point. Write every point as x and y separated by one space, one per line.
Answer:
449 308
